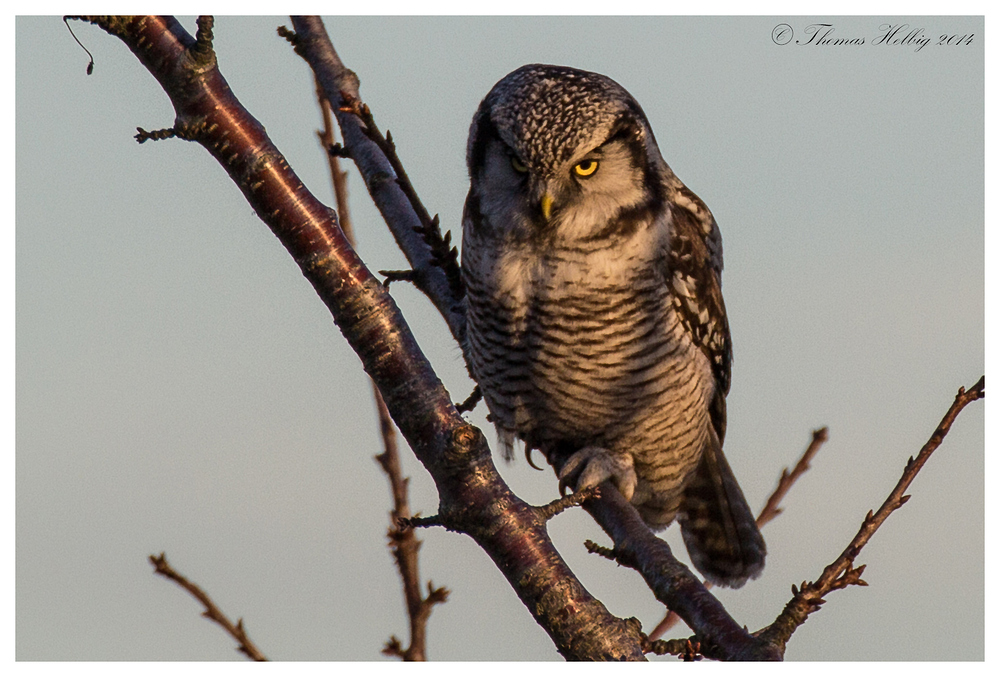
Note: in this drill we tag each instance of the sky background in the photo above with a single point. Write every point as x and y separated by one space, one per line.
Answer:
181 388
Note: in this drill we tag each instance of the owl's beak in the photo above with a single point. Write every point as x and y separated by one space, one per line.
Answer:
546 205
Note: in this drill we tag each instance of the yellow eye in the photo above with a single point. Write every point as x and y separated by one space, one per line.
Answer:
585 168
518 166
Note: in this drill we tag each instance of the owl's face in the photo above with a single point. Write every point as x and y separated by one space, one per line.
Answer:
560 153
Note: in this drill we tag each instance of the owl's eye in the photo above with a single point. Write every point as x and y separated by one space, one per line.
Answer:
518 166
585 168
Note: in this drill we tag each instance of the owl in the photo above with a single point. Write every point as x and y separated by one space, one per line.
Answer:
595 322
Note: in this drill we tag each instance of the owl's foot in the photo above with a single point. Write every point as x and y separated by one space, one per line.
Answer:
592 465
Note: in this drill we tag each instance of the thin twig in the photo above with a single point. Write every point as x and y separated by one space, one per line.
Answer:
470 403
685 649
403 542
773 506
337 175
418 522
90 65
771 510
405 547
553 508
211 612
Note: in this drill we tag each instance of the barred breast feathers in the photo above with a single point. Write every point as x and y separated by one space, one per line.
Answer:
601 337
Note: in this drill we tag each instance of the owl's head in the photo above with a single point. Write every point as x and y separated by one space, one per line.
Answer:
562 152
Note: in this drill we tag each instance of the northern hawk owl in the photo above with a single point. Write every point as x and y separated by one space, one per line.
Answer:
596 326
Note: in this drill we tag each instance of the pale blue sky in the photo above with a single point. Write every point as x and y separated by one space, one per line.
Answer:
180 387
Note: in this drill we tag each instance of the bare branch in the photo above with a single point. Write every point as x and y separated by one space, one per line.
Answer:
470 403
341 88
403 542
394 648
143 136
842 572
337 176
405 545
212 612
672 583
444 255
418 522
773 508
553 508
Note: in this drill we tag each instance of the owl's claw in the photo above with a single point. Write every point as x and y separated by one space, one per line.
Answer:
592 465
527 456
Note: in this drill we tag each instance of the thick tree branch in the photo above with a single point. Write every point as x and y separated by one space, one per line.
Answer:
473 498
211 612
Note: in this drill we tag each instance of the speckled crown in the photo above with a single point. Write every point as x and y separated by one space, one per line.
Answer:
545 112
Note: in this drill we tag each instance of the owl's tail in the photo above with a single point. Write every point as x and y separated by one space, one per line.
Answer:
719 529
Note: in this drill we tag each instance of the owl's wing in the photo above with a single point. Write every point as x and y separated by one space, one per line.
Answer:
718 526
694 262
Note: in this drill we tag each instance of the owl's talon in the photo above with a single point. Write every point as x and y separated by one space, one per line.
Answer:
527 456
592 465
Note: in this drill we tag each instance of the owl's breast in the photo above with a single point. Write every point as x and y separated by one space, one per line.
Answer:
577 344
